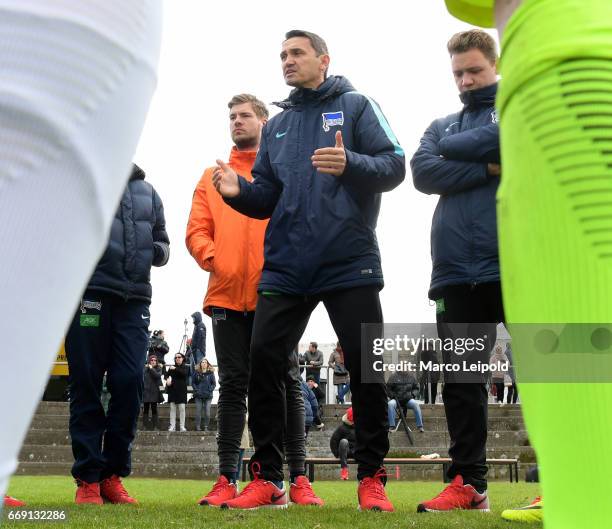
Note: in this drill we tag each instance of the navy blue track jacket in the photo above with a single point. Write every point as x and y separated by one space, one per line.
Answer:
451 161
321 235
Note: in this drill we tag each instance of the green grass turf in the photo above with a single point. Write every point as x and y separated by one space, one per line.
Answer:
171 504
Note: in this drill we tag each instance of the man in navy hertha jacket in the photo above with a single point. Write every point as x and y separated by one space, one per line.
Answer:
458 159
321 168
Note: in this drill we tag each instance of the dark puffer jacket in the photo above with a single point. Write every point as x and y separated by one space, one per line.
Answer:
403 386
322 230
452 162
198 337
138 240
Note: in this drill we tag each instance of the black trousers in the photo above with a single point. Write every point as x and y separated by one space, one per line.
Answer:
426 389
232 332
512 394
499 387
108 335
465 404
280 321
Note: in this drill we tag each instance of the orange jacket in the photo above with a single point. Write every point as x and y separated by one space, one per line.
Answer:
226 243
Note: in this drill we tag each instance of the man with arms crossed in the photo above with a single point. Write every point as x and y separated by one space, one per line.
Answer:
321 168
458 159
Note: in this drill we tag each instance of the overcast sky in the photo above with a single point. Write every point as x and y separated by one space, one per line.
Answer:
395 52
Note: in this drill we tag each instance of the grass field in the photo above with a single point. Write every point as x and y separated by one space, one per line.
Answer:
171 504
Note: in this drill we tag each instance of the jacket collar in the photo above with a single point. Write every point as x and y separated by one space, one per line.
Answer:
332 86
483 97
242 157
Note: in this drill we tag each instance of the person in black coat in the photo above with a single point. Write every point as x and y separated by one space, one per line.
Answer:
198 338
403 391
176 385
342 442
158 346
110 332
152 394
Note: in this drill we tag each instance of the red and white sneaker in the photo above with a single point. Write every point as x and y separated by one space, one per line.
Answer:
221 492
258 493
301 493
372 495
113 491
344 473
12 502
456 496
88 493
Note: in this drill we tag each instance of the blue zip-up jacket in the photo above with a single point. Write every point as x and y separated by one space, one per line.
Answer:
451 161
138 240
203 384
311 405
321 235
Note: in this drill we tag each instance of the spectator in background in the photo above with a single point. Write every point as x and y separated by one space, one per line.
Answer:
429 378
311 407
313 358
512 389
176 386
498 361
204 383
404 391
159 347
342 442
110 332
320 396
341 374
198 338
151 394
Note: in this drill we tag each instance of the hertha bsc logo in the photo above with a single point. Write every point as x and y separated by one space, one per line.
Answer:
332 119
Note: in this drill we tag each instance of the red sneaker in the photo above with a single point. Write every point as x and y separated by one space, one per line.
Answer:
221 492
258 493
372 495
344 473
301 493
456 496
112 490
88 493
12 502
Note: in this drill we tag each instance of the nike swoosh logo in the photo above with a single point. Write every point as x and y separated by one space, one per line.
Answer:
448 128
280 134
144 317
275 498
477 503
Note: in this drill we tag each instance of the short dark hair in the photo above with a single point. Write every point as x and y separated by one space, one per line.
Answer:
259 107
311 377
314 344
473 39
319 45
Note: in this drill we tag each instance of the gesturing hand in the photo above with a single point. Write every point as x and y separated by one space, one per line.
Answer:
225 180
331 160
